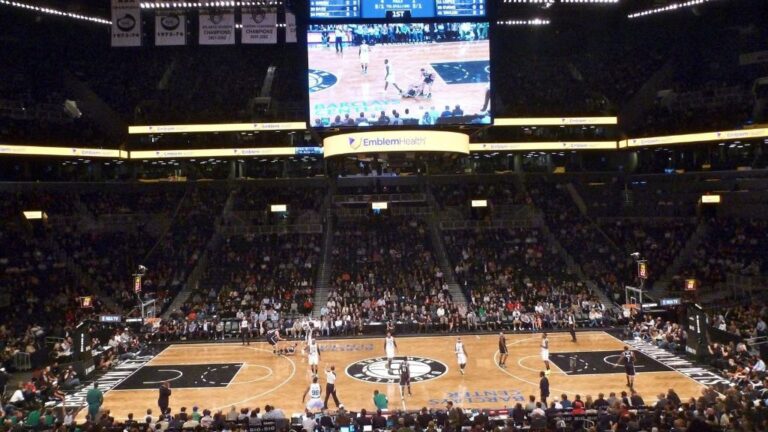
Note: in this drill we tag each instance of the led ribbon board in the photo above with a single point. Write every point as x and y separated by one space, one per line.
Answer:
222 127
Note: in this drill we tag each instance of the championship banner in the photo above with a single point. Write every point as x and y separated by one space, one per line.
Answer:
259 26
217 27
126 23
290 28
170 28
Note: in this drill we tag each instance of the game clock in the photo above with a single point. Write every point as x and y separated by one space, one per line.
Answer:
381 9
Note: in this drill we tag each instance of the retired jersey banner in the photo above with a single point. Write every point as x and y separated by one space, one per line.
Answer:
126 23
290 28
259 26
170 28
217 27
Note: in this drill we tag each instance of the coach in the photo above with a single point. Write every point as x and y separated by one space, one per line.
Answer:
544 387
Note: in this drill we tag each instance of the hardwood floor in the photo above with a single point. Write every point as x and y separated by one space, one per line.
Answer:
281 381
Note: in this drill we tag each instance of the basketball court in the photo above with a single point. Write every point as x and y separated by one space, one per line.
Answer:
461 77
217 376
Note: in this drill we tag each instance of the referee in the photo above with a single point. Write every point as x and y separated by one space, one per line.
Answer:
245 331
572 326
330 387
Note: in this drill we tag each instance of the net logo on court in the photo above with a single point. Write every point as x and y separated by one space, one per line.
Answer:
320 80
374 370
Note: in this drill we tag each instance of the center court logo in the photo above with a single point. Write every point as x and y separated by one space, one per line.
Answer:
320 80
374 370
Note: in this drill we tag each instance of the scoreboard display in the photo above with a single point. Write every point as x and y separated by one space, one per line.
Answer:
460 8
378 9
334 9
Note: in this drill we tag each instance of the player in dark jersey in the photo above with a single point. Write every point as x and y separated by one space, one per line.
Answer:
628 359
273 337
405 379
503 350
428 78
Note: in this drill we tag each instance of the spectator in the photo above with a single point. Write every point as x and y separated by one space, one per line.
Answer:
94 398
380 401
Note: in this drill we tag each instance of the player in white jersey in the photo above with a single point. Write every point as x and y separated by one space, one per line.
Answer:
389 348
313 357
389 77
545 352
309 335
461 355
314 390
365 57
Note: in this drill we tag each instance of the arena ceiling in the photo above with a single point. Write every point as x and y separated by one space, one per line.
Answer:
101 7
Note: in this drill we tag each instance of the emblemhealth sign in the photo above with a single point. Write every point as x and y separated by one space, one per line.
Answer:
396 141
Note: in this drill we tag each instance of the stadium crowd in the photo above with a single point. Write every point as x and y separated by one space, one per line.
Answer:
732 246
257 274
602 262
498 193
39 293
658 242
256 202
622 410
45 269
384 270
512 277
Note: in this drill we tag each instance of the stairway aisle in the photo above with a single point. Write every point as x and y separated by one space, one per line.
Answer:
326 263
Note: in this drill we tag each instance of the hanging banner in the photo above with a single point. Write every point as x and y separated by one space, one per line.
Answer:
290 28
126 23
217 27
170 28
259 26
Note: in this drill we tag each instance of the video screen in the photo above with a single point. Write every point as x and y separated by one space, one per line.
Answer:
399 74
